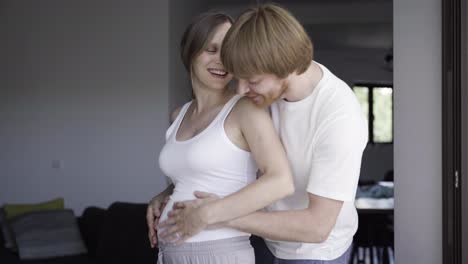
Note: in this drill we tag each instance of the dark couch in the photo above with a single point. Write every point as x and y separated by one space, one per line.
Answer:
115 235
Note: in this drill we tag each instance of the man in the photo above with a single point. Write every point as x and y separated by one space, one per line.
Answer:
323 132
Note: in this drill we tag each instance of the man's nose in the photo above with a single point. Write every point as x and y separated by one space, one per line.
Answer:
242 87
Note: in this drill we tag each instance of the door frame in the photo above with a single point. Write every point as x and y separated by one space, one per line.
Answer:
451 130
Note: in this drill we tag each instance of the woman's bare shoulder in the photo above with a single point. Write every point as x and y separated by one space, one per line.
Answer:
175 113
246 112
246 106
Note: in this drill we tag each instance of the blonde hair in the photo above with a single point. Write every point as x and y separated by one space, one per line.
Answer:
266 39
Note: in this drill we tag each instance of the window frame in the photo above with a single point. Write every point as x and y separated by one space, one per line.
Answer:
370 100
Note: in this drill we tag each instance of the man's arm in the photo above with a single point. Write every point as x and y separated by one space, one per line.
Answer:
310 225
189 217
270 157
334 173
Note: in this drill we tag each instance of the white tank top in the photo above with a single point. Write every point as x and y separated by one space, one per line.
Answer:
207 162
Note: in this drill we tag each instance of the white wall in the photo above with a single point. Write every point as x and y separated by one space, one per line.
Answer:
418 131
181 14
86 85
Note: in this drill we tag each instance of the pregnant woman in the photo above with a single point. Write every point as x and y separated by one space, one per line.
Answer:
214 145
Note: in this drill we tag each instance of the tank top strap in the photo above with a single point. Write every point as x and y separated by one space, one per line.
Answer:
228 108
174 127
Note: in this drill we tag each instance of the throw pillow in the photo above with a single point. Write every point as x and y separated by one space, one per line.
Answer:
46 234
12 210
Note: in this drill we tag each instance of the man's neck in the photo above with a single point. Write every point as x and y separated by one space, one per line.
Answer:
302 85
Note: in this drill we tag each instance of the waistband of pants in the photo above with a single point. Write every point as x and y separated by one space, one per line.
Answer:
219 245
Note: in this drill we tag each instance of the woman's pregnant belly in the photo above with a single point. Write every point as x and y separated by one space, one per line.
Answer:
205 235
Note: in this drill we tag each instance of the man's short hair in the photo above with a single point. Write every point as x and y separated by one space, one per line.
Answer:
266 39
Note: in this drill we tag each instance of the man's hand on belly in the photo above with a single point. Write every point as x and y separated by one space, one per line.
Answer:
187 218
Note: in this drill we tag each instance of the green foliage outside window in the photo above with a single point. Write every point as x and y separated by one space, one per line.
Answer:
377 105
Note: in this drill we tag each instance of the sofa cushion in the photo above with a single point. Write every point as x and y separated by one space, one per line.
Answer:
11 258
12 210
90 223
124 235
46 234
2 241
7 238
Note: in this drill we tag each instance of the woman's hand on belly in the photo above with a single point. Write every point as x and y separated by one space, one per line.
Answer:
153 214
186 219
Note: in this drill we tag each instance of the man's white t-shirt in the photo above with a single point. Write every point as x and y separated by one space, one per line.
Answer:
324 136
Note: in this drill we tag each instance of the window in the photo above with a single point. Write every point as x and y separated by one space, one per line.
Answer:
377 105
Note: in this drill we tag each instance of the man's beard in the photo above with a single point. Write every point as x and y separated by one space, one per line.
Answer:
268 99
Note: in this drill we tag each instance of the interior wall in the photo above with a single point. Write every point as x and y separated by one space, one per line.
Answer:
181 14
84 100
377 161
418 131
354 65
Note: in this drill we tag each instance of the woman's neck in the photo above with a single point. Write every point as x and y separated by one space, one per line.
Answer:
207 99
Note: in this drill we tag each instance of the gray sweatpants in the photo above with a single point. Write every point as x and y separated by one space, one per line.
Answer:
223 251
